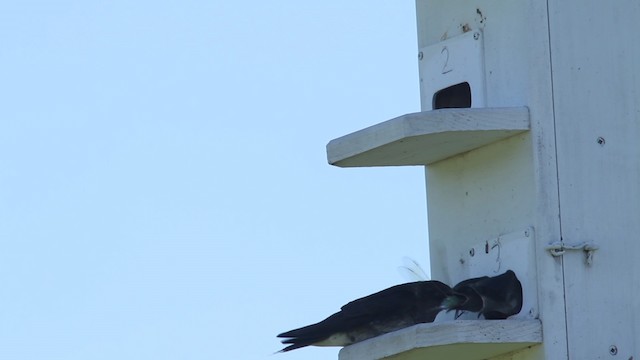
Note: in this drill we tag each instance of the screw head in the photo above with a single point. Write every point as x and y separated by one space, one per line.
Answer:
613 350
472 251
476 36
601 141
420 55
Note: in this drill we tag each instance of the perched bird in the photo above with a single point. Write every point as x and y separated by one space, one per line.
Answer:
495 297
389 310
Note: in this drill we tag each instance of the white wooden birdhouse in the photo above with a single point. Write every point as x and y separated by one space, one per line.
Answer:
530 137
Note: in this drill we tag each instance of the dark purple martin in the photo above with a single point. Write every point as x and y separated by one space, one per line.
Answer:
495 297
389 310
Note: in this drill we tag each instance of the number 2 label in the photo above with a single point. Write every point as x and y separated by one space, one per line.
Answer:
445 66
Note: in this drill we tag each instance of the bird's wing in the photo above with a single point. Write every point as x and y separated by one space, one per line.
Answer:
389 303
404 304
381 302
397 298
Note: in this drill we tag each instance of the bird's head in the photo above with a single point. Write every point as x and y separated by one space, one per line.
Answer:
474 301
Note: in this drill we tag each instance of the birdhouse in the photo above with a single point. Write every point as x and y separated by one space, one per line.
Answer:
530 138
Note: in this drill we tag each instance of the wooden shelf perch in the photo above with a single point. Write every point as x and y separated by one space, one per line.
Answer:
426 137
460 339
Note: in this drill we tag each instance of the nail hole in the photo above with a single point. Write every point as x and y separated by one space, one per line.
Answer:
600 140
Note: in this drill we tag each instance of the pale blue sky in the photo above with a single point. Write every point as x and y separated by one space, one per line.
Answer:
163 178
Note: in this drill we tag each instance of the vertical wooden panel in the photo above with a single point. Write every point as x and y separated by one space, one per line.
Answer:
547 208
596 89
513 183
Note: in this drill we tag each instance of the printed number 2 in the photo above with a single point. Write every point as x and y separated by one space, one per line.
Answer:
445 67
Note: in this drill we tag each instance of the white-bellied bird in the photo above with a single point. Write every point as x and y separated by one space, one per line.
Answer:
389 310
408 304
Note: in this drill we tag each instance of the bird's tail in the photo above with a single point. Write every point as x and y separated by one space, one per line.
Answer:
307 335
297 343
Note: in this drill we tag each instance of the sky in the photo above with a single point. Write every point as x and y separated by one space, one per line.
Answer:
164 188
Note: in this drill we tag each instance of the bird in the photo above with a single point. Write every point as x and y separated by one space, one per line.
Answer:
494 298
388 310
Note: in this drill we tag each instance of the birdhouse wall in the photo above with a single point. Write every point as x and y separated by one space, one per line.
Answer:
491 191
595 53
574 177
481 205
506 58
477 196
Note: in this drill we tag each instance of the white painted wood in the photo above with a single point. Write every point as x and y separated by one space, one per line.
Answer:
595 53
426 137
461 339
507 40
475 197
498 188
547 208
451 62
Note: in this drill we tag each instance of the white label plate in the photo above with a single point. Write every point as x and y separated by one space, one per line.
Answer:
450 62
